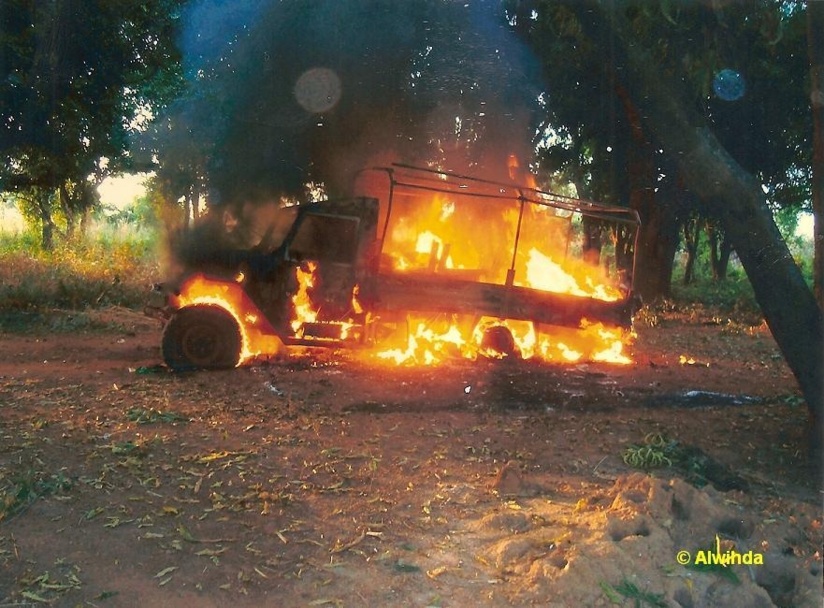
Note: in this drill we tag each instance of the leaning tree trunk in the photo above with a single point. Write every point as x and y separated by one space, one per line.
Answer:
815 43
737 199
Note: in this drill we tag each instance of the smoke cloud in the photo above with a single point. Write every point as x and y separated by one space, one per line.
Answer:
287 93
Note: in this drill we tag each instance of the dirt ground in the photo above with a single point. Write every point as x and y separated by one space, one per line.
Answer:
330 479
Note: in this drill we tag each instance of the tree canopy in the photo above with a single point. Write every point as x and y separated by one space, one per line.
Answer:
742 68
76 79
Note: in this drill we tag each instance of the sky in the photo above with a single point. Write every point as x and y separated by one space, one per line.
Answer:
805 225
122 190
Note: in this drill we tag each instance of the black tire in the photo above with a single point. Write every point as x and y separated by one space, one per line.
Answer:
499 342
201 337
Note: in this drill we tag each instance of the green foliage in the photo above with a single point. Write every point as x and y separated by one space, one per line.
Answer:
801 246
138 218
735 292
698 468
631 591
656 452
84 274
720 570
78 78
733 296
29 203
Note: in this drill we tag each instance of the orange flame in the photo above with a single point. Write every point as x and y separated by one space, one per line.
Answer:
440 236
257 335
545 274
305 311
430 346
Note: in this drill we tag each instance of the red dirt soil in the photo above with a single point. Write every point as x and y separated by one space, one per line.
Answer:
331 479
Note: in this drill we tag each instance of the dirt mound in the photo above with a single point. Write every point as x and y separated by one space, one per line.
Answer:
623 543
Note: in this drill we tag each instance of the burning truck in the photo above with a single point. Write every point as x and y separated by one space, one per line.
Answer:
419 264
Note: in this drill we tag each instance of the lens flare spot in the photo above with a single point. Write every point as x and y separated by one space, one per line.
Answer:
318 90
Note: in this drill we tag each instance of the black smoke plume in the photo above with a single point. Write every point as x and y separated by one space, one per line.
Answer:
284 93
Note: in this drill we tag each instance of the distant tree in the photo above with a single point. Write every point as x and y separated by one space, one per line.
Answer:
76 78
692 239
720 249
608 146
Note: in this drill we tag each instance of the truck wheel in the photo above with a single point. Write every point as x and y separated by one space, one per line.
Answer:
201 337
497 342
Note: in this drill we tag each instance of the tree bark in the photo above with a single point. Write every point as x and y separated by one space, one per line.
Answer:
815 45
789 306
720 251
658 234
657 243
188 221
623 240
46 222
68 210
692 238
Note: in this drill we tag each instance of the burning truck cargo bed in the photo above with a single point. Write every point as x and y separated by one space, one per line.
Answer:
415 256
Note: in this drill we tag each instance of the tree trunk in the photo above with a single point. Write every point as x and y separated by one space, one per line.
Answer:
68 210
657 243
194 193
692 238
187 212
724 259
85 221
815 42
789 307
46 221
720 251
658 234
89 200
623 240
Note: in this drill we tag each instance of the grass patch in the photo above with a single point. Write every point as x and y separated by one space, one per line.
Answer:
84 275
697 467
733 296
54 321
730 304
